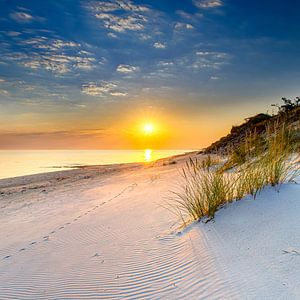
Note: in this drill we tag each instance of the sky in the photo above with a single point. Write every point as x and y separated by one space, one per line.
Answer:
89 74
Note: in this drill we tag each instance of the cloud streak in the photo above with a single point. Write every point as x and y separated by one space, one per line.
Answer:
127 69
208 3
102 89
159 45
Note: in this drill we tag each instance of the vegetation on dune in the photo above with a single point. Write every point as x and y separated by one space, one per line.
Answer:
258 160
288 112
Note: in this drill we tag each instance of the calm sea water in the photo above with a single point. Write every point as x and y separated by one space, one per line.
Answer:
26 162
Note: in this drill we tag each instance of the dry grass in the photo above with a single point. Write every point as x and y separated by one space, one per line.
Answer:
209 161
262 163
202 193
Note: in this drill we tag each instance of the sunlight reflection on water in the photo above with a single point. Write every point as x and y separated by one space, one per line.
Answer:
26 162
148 155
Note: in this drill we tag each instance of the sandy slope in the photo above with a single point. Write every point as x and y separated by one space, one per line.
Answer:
101 233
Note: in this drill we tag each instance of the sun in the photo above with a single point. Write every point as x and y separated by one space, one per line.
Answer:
148 128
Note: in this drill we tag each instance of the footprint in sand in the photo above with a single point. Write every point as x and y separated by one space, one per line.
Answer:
33 243
291 251
7 256
46 238
52 232
22 249
61 227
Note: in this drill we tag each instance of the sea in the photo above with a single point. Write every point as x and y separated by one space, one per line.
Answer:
15 163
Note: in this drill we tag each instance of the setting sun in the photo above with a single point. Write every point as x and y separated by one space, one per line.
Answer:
148 128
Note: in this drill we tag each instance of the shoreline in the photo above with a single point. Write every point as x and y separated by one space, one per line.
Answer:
86 170
66 168
42 181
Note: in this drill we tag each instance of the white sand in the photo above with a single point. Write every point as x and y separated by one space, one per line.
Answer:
101 233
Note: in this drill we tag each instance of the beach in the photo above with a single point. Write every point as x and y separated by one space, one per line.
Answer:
103 232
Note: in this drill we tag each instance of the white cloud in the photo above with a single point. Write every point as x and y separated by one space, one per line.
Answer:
121 24
102 89
118 94
165 64
112 35
144 37
55 55
181 26
127 69
21 17
2 80
50 44
59 63
4 92
159 45
111 6
210 59
208 3
119 15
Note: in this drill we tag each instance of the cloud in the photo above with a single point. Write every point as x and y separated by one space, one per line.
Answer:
112 35
208 3
144 37
59 63
117 5
62 133
127 69
210 59
21 17
165 63
121 24
25 17
117 94
49 44
119 15
182 26
159 45
102 89
2 80
13 33
55 55
214 78
4 92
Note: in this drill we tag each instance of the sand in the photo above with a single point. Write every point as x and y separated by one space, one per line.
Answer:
103 233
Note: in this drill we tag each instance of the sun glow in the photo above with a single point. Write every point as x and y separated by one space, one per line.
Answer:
148 128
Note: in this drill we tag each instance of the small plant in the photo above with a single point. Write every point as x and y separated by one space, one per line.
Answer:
202 193
251 180
251 146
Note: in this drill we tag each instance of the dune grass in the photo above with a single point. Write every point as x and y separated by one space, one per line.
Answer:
267 161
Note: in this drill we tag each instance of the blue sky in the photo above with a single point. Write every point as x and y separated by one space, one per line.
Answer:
68 67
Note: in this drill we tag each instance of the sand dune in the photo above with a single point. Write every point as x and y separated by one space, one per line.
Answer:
104 234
